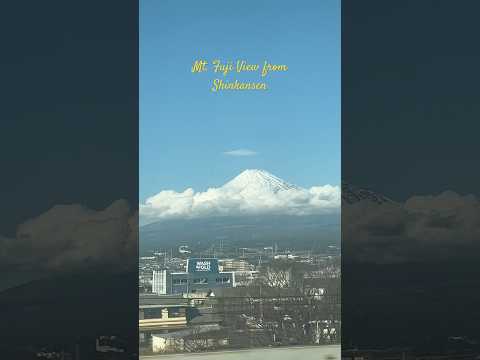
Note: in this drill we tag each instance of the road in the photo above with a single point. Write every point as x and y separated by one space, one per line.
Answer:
298 352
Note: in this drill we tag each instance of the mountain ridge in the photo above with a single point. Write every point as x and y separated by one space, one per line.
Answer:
352 194
243 231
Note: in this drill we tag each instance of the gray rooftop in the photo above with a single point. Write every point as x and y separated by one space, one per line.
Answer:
146 300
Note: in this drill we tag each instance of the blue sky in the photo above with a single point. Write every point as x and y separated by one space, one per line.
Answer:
185 129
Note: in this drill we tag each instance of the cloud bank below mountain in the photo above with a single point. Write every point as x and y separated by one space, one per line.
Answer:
424 228
252 192
73 237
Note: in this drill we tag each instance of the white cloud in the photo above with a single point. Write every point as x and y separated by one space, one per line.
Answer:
240 201
437 227
74 237
240 152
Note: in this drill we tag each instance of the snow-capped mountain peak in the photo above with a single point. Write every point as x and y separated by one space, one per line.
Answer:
258 179
352 194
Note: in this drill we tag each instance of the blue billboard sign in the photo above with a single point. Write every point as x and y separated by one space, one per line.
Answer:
202 265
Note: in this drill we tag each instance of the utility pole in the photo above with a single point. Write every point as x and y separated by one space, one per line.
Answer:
261 303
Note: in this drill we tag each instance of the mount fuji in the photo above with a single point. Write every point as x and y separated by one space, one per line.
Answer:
258 181
352 194
252 192
253 206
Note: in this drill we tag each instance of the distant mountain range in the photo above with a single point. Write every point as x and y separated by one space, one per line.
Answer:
288 231
255 208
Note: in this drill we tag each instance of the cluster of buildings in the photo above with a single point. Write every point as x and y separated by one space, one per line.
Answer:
193 302
201 276
162 273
